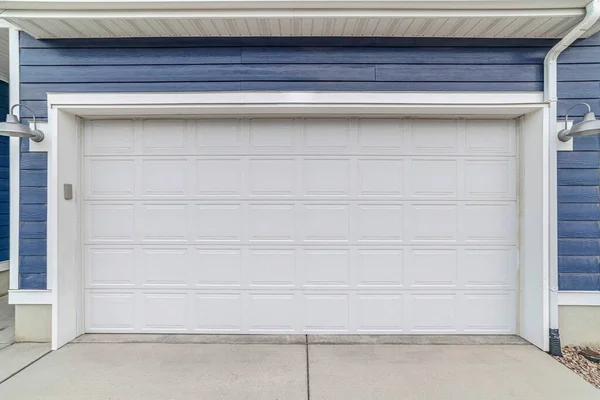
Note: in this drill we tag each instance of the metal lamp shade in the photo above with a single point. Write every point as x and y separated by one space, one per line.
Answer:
13 127
589 126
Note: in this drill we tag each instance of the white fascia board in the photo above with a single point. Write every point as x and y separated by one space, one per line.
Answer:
286 4
572 298
15 15
30 297
283 98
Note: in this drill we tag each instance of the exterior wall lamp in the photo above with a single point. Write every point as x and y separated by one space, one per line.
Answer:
589 126
14 127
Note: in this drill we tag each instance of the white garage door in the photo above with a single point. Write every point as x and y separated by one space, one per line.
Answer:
380 226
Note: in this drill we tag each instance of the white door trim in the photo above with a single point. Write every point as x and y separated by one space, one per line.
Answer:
64 110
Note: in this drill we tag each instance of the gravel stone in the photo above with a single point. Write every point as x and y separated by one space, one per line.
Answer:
588 370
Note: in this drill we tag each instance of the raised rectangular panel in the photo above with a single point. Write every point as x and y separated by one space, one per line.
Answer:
272 134
218 222
331 135
326 267
381 223
434 136
164 135
488 312
322 177
433 313
110 223
270 267
380 268
109 137
164 312
164 267
164 222
272 223
490 224
326 313
271 313
381 178
219 177
490 137
271 177
166 177
216 267
379 313
218 135
488 268
216 312
381 135
490 179
110 177
432 268
431 223
326 223
107 266
110 312
433 179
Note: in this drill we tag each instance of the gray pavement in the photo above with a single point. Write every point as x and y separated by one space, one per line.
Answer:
181 371
7 322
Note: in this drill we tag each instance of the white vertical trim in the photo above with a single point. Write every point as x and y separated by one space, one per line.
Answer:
15 158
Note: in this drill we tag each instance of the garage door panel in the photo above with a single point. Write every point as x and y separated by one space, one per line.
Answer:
110 267
218 177
488 312
162 223
108 137
110 223
488 267
270 268
300 225
324 267
380 178
432 268
433 179
272 223
216 268
218 223
100 177
379 268
217 312
375 313
490 179
379 223
499 138
432 313
272 177
164 178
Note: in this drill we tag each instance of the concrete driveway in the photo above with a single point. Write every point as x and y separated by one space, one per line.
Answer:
162 371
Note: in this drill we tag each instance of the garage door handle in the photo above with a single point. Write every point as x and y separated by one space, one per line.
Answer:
68 191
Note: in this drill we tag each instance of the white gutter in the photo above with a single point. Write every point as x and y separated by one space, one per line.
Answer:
551 96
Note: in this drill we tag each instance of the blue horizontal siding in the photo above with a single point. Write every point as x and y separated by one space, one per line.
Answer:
321 64
4 177
579 172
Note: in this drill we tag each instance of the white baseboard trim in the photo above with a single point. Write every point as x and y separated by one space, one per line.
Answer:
4 266
30 297
579 298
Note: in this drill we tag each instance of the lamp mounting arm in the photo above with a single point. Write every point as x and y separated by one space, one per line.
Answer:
27 108
567 114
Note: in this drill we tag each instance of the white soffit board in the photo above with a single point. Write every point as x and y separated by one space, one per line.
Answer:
451 21
300 225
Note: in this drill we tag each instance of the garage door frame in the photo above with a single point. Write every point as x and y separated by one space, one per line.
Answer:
536 152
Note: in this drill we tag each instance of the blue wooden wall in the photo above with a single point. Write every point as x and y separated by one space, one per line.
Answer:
4 178
331 64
